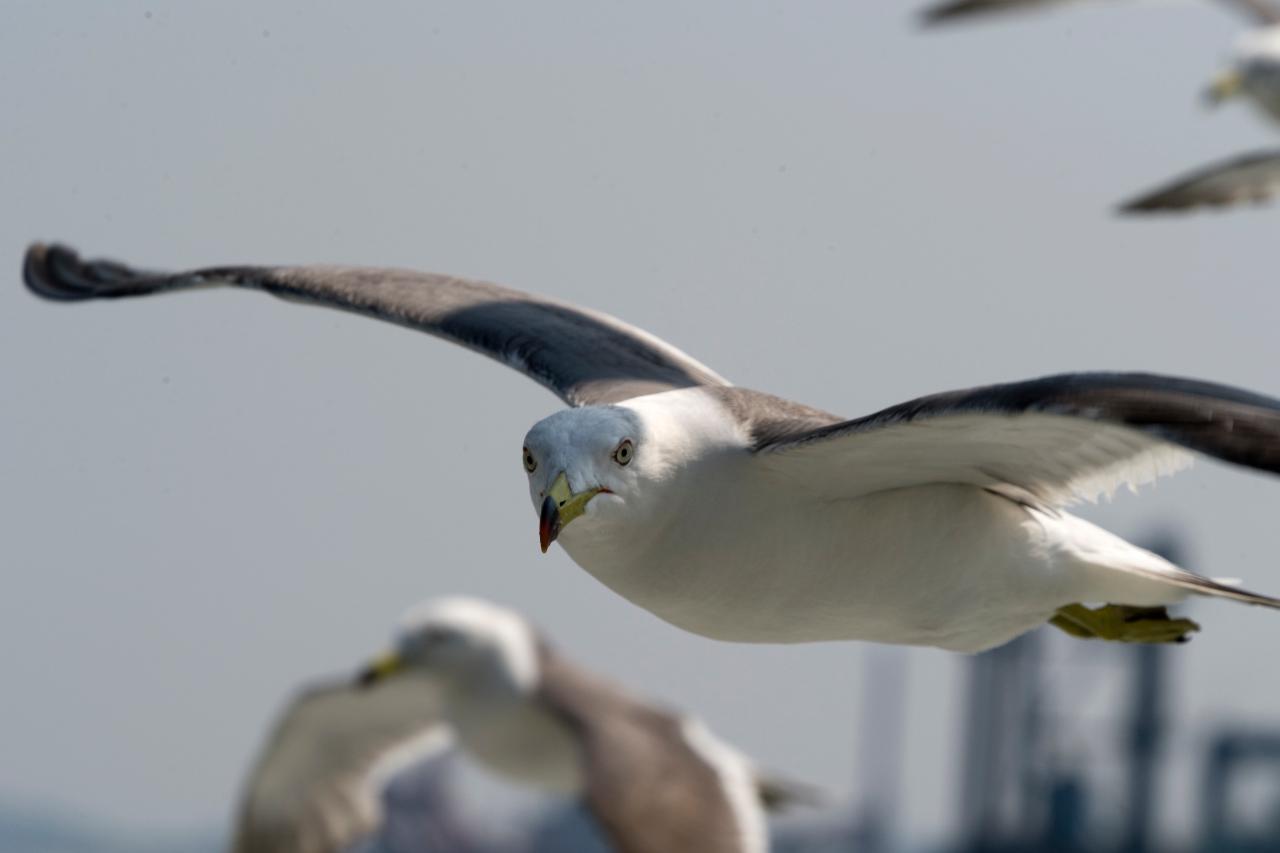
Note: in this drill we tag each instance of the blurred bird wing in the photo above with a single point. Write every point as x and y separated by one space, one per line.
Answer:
1251 178
1260 11
583 356
652 787
1050 441
315 785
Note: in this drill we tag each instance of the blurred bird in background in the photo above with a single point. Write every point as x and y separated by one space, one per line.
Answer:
469 674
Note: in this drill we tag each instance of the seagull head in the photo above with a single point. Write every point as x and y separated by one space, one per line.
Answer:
466 646
587 463
614 472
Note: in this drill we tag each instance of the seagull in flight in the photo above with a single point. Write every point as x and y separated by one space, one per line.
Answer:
742 516
1254 73
468 675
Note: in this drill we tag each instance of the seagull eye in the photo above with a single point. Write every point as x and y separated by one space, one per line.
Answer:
624 452
530 464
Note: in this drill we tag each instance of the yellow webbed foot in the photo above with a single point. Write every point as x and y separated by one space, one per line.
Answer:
1123 624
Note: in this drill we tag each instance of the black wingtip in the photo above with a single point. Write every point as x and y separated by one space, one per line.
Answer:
957 12
56 272
38 276
53 271
1129 208
943 13
1147 205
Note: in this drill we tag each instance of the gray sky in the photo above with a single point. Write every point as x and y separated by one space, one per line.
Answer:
208 497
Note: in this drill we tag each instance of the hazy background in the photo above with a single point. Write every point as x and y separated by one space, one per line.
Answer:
207 498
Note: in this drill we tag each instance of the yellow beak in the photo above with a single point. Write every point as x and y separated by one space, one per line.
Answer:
560 507
1225 86
380 668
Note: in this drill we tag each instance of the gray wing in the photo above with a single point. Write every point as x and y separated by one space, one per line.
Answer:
316 783
956 10
1051 441
585 357
652 788
1251 178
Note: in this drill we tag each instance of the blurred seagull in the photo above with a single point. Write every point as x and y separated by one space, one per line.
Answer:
478 675
742 516
1254 73
1254 177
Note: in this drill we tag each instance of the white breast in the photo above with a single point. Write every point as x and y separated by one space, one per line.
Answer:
946 565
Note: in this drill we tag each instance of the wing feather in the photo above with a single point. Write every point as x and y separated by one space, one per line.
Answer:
1250 178
948 11
315 785
1058 439
583 356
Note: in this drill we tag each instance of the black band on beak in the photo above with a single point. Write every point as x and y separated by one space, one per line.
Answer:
548 523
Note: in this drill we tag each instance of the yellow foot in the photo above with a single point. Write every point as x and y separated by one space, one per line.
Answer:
1123 624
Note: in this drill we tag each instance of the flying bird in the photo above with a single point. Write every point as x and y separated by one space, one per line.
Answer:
1254 74
743 516
470 675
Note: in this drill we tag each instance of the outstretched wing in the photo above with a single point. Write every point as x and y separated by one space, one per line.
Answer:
585 357
1050 441
954 10
315 785
1251 178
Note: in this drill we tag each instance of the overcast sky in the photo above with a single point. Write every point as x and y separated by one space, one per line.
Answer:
208 497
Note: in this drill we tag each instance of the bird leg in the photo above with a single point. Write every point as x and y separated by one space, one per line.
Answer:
1123 624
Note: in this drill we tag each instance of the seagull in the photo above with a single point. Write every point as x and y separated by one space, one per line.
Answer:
1254 177
467 674
742 516
1254 73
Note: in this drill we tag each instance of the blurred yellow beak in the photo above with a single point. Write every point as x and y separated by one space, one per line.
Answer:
380 668
1225 86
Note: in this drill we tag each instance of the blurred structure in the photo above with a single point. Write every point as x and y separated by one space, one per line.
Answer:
1035 781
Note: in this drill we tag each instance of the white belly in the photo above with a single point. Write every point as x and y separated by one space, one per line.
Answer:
944 565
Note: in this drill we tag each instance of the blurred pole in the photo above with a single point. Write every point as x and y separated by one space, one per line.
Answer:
1002 798
1146 724
1145 734
884 693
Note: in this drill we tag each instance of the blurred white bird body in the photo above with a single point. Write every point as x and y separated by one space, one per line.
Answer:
468 674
